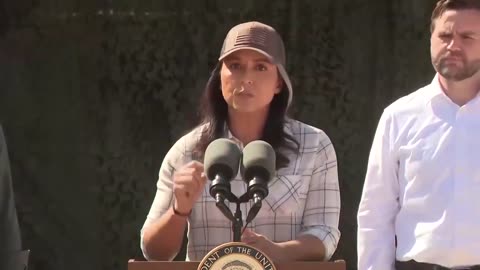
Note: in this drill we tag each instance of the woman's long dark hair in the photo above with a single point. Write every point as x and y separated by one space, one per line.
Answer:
214 114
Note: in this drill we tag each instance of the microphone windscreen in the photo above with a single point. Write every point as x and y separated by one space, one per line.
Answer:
222 156
258 158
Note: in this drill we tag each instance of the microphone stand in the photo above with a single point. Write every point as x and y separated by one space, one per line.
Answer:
237 224
236 219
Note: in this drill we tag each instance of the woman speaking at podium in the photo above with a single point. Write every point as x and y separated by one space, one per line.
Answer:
246 99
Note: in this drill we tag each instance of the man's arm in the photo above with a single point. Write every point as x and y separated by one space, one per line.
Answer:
379 203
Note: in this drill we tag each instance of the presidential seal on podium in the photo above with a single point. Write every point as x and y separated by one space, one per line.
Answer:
236 256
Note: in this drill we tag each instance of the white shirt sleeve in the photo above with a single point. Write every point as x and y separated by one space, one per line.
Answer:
379 203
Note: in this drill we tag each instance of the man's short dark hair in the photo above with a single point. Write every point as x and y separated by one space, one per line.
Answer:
444 5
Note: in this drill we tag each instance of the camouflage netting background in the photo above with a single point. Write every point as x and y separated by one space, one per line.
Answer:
94 93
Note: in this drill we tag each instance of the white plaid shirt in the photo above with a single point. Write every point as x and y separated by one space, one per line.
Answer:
303 197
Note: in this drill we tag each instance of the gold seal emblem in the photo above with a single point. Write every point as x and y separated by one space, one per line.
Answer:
236 256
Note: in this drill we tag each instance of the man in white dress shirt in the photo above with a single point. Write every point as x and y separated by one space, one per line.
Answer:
420 207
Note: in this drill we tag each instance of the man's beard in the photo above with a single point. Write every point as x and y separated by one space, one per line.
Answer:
456 72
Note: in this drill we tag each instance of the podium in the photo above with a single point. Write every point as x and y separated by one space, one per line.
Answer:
301 265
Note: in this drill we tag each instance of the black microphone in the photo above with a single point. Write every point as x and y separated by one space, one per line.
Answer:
221 162
258 167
